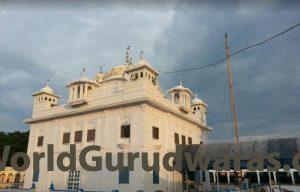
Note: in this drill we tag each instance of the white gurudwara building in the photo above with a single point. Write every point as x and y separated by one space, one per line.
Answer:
10 178
122 110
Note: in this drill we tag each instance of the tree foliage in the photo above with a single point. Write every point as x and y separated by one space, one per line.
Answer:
17 140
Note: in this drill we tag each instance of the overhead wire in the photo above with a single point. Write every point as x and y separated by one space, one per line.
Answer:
233 54
222 132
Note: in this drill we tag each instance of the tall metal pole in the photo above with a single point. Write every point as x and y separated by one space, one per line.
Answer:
231 89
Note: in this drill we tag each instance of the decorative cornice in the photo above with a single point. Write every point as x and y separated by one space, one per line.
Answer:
138 67
145 100
43 92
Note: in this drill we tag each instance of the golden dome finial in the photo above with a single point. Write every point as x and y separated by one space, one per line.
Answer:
83 72
101 68
127 57
141 55
196 94
180 81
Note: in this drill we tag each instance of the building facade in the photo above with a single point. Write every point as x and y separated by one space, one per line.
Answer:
287 176
122 110
10 178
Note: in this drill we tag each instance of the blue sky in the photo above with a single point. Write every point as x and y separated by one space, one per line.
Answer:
56 40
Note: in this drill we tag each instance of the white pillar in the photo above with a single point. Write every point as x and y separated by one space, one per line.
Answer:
269 175
76 92
275 179
181 99
218 185
228 177
81 91
258 177
172 97
214 174
23 178
292 175
85 91
71 94
204 117
186 100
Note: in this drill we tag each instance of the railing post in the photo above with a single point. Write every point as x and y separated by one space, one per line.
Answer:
293 178
33 186
52 187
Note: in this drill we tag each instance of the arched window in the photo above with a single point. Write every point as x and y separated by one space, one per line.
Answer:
142 74
2 178
78 92
134 76
176 98
73 93
17 178
9 178
90 92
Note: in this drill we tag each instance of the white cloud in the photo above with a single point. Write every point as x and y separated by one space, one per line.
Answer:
57 41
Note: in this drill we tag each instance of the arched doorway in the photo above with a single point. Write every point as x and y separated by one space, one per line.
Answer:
9 178
176 98
17 178
2 178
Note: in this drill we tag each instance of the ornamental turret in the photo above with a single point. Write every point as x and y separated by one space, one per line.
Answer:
44 99
199 108
142 70
181 96
81 91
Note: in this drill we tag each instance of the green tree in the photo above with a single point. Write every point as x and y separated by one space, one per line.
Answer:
17 140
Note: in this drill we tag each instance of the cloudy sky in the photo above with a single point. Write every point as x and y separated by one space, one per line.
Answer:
43 40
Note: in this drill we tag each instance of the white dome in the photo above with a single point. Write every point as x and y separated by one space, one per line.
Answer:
47 89
180 88
197 101
116 71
